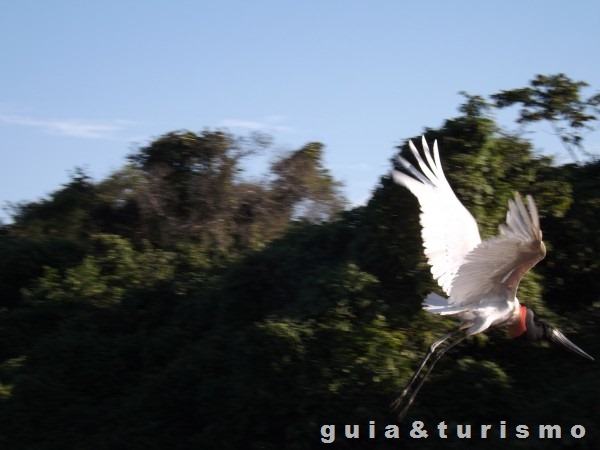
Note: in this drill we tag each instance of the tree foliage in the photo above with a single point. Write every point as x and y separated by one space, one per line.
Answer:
558 100
177 304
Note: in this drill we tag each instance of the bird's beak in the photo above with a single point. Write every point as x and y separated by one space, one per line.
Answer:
559 338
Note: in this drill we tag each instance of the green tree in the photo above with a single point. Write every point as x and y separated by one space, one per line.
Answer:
303 187
292 315
572 266
66 214
187 185
558 100
191 187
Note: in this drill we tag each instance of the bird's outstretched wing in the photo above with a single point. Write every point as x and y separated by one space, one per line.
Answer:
449 231
500 262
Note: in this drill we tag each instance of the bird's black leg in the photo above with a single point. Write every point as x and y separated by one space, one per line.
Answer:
433 349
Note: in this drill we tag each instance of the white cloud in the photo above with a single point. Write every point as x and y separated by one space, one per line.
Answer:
269 124
71 127
248 124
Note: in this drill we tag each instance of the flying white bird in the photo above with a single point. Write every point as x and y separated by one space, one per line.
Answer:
480 277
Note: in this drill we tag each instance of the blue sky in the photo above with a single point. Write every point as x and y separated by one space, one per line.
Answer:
84 83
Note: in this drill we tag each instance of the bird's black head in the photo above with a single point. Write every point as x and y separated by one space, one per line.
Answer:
531 330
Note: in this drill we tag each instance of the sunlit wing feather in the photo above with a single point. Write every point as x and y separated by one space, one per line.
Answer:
449 231
500 262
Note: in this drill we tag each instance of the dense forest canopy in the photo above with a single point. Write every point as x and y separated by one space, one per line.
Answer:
178 304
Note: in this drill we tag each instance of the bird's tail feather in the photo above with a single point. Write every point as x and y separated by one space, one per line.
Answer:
436 304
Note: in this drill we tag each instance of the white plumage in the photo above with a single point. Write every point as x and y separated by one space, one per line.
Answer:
480 277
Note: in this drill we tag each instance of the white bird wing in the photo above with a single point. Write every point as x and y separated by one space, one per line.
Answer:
500 262
449 231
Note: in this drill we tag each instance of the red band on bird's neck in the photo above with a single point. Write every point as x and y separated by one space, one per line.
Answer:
519 327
